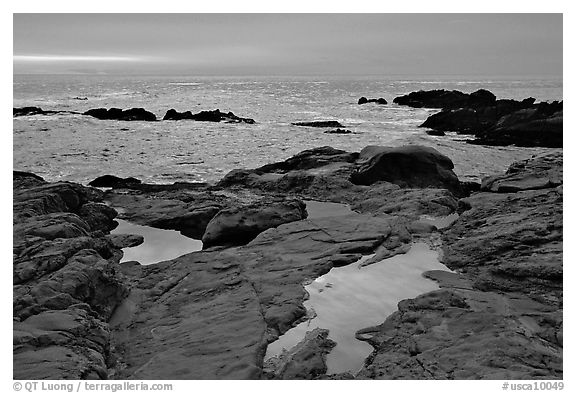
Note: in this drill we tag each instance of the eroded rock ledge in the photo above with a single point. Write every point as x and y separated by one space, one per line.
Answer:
500 315
211 314
66 285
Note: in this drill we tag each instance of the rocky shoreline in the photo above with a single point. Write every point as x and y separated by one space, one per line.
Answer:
78 313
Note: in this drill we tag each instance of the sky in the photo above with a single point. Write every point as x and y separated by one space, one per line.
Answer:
289 44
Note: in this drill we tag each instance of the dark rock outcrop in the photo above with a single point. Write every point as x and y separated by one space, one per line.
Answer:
114 181
325 123
493 122
500 316
65 282
133 114
214 116
407 166
446 99
364 100
186 211
526 128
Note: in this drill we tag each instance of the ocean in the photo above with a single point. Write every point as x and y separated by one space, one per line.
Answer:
80 148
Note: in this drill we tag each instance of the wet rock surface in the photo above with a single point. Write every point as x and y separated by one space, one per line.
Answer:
211 314
307 360
65 280
500 315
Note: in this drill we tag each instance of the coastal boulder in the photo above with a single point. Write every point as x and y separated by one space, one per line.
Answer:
407 166
238 226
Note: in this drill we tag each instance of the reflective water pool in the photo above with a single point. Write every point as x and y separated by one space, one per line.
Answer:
159 244
350 298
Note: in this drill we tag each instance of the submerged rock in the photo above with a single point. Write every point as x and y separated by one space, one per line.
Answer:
325 123
435 133
338 131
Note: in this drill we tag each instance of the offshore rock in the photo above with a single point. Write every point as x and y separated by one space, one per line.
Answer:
114 181
214 116
364 100
133 114
326 123
446 99
493 122
338 131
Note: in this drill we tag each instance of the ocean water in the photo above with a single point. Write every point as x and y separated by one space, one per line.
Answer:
80 148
